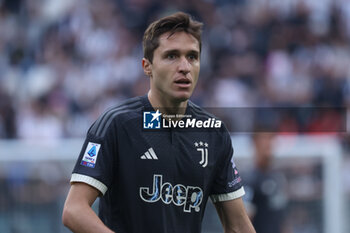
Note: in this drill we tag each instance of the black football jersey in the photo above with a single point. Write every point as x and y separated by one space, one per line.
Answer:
156 180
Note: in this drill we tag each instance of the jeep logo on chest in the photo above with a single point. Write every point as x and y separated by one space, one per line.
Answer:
189 197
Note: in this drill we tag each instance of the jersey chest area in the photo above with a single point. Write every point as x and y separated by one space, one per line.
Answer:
170 167
171 153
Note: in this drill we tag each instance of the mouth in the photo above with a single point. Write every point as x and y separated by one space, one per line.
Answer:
183 82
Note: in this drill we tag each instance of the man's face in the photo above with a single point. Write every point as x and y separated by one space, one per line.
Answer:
175 67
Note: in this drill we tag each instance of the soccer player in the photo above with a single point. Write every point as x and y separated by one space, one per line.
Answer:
268 212
158 180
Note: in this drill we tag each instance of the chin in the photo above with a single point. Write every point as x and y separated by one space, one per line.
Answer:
182 97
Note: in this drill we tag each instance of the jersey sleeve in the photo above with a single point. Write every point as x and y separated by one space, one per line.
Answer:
96 159
227 183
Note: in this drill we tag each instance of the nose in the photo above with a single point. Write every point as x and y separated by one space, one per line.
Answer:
184 66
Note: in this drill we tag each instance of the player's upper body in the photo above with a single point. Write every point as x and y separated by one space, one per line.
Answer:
161 178
157 181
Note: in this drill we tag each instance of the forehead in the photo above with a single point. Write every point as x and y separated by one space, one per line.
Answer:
178 41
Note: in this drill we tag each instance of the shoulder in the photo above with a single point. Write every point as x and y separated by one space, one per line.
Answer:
202 114
126 110
199 111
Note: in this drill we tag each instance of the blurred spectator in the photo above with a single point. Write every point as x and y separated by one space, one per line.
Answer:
7 116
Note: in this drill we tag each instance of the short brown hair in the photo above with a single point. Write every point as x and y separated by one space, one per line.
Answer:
176 22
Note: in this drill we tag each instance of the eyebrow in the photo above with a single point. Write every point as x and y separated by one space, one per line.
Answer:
178 51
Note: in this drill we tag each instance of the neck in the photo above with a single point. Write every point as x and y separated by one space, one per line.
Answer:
167 106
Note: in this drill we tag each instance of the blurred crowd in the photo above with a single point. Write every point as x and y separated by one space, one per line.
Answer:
63 62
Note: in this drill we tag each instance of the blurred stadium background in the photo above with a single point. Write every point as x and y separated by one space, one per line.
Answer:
63 62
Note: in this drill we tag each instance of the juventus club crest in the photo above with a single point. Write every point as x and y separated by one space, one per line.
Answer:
203 148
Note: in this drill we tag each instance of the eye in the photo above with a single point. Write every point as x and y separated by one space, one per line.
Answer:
192 57
171 56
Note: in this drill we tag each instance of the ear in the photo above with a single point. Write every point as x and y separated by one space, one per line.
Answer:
147 67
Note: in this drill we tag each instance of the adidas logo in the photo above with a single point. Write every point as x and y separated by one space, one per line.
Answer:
149 154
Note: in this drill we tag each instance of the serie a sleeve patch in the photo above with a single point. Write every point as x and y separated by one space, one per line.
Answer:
90 156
